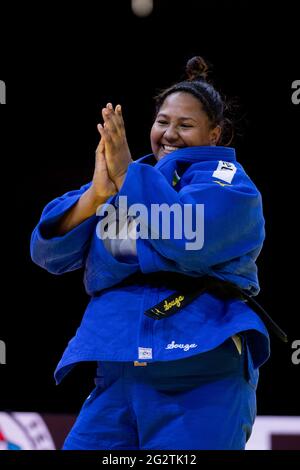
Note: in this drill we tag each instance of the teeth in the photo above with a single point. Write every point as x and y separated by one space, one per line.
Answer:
169 148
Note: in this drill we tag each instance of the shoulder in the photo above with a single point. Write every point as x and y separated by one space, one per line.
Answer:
219 173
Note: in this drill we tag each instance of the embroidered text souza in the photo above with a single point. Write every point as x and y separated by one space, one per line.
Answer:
185 347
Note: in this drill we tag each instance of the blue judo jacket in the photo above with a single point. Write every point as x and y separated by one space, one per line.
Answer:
114 327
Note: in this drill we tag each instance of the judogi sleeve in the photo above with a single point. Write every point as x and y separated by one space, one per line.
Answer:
59 254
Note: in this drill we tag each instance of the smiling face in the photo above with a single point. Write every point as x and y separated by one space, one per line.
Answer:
181 122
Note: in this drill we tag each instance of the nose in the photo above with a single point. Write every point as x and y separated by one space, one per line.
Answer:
171 134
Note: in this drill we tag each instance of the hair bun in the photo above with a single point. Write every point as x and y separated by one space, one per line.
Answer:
197 69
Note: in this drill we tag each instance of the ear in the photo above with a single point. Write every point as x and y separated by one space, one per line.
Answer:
215 135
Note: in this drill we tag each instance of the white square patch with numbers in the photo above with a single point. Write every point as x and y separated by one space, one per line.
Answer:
225 171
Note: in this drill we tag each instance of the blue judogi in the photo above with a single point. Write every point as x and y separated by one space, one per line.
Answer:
204 402
114 327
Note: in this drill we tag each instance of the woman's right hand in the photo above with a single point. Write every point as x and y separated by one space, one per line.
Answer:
101 189
102 186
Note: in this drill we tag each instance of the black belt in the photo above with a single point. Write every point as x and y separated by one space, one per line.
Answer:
188 288
186 292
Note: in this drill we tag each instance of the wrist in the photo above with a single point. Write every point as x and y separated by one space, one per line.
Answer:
119 180
94 199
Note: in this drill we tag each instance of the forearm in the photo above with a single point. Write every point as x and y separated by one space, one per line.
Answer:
85 207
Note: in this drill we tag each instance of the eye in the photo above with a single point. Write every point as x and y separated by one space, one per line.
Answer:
161 121
186 125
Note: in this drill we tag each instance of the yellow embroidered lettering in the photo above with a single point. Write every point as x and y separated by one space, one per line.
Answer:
177 301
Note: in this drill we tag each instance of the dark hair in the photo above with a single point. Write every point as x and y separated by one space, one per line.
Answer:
198 85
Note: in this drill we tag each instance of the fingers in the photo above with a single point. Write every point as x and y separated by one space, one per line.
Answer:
120 116
105 134
99 127
113 119
109 121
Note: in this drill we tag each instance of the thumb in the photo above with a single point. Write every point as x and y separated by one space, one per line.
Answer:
100 158
101 146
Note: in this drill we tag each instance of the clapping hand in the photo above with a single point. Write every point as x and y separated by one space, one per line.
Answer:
117 153
103 187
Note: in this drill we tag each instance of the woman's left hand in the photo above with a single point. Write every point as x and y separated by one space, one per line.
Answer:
117 153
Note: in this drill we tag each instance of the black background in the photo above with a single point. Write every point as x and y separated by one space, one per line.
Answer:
60 68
